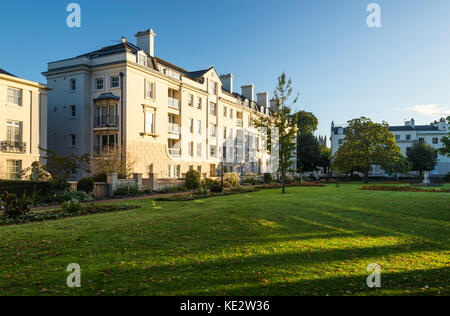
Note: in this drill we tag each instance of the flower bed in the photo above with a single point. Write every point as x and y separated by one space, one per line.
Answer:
403 188
39 216
290 185
196 196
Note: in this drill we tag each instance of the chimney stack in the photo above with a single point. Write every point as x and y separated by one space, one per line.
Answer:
262 99
227 82
248 91
146 41
274 106
413 123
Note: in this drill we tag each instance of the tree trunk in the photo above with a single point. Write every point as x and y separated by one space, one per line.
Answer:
366 175
283 180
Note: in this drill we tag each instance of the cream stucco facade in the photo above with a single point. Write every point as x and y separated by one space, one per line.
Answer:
23 124
166 119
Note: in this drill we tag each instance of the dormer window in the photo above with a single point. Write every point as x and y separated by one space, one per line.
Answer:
142 59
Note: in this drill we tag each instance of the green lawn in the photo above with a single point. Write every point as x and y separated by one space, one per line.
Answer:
312 241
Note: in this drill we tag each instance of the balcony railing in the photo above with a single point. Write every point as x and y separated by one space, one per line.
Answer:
8 146
175 152
174 129
174 103
106 121
105 150
239 122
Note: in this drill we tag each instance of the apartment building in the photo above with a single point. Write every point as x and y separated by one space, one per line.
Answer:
405 136
163 118
23 124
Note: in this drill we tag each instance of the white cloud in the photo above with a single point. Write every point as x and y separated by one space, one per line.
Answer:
430 110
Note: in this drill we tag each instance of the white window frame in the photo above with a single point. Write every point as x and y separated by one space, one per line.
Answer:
149 127
199 127
148 83
199 150
73 140
11 131
14 96
141 58
213 109
199 103
191 100
99 84
73 111
13 169
111 82
73 85
435 141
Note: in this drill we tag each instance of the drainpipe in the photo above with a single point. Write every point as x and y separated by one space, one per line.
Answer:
121 116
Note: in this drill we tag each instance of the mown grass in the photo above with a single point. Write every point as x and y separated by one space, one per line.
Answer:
312 241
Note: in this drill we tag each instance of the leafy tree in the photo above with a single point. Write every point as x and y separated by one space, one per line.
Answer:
308 152
62 167
367 143
111 160
324 158
285 122
306 122
445 151
422 157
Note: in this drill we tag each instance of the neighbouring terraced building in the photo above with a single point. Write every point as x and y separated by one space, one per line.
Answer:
23 124
164 118
405 136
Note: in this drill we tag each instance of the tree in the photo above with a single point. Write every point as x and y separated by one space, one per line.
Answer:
111 160
62 167
285 122
367 143
308 152
306 122
324 158
445 151
422 157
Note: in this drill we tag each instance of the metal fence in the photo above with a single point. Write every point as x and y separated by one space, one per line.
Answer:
27 188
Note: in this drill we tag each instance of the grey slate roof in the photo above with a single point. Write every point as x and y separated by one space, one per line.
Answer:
107 96
417 128
4 72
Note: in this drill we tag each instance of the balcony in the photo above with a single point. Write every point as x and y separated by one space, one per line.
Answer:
175 152
106 150
8 146
106 121
239 122
174 103
174 129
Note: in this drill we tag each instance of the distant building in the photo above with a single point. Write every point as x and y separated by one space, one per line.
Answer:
405 136
23 124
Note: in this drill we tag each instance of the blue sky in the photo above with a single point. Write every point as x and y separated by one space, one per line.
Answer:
341 68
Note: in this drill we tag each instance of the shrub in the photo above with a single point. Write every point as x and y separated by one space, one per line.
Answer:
208 183
172 189
72 206
128 190
268 178
403 188
447 177
101 177
15 206
64 196
232 178
86 185
192 180
216 187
